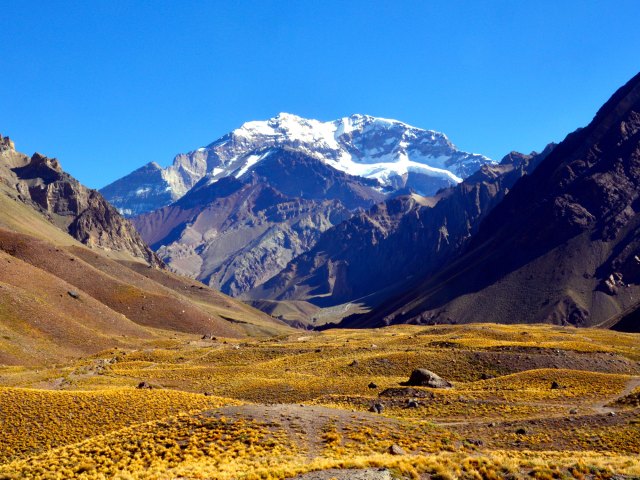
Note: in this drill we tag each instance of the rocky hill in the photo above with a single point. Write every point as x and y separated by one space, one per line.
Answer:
60 298
562 247
80 211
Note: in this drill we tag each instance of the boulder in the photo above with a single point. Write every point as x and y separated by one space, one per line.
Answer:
396 450
422 377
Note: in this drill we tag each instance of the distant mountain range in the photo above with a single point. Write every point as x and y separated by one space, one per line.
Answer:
392 154
235 213
368 222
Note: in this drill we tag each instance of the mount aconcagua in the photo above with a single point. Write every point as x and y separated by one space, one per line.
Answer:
391 153
235 213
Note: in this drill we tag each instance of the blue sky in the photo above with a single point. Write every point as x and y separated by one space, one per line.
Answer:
107 86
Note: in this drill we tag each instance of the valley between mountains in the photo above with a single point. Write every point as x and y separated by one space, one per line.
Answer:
312 300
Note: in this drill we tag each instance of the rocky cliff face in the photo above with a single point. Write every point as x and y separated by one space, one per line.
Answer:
562 247
389 153
372 254
235 233
82 212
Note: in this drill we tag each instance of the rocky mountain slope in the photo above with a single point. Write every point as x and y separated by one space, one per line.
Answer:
366 258
392 154
82 212
235 233
562 247
60 299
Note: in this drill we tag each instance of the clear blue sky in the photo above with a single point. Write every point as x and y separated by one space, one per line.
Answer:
107 86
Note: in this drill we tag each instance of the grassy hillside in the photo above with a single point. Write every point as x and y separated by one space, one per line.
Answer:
526 402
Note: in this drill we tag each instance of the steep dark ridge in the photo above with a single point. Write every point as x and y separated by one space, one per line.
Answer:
296 174
80 211
562 247
395 240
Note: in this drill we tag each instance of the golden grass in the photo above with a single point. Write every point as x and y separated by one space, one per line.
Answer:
112 430
37 420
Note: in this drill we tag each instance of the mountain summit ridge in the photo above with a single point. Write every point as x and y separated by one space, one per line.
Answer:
394 154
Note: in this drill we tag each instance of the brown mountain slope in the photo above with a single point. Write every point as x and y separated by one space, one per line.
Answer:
123 290
41 323
61 299
562 247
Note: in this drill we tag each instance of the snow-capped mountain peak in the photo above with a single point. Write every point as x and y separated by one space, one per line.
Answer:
393 153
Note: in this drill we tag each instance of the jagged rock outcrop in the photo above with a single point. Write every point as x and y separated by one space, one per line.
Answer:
6 143
562 247
80 211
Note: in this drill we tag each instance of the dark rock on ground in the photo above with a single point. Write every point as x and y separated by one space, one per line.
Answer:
422 377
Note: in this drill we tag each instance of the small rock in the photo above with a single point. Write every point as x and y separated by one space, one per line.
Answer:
144 385
573 411
355 363
554 385
412 403
373 385
396 450
521 431
612 414
487 376
492 424
73 294
377 408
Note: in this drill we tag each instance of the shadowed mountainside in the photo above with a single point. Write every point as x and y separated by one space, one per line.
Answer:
374 253
562 247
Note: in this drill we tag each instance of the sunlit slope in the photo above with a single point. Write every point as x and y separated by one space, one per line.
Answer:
526 402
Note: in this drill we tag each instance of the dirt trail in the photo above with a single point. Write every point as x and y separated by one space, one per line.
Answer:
600 406
306 423
342 474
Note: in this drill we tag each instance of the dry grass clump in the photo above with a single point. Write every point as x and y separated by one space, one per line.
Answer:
225 448
33 421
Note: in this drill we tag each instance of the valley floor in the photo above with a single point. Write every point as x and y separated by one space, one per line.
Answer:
527 402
